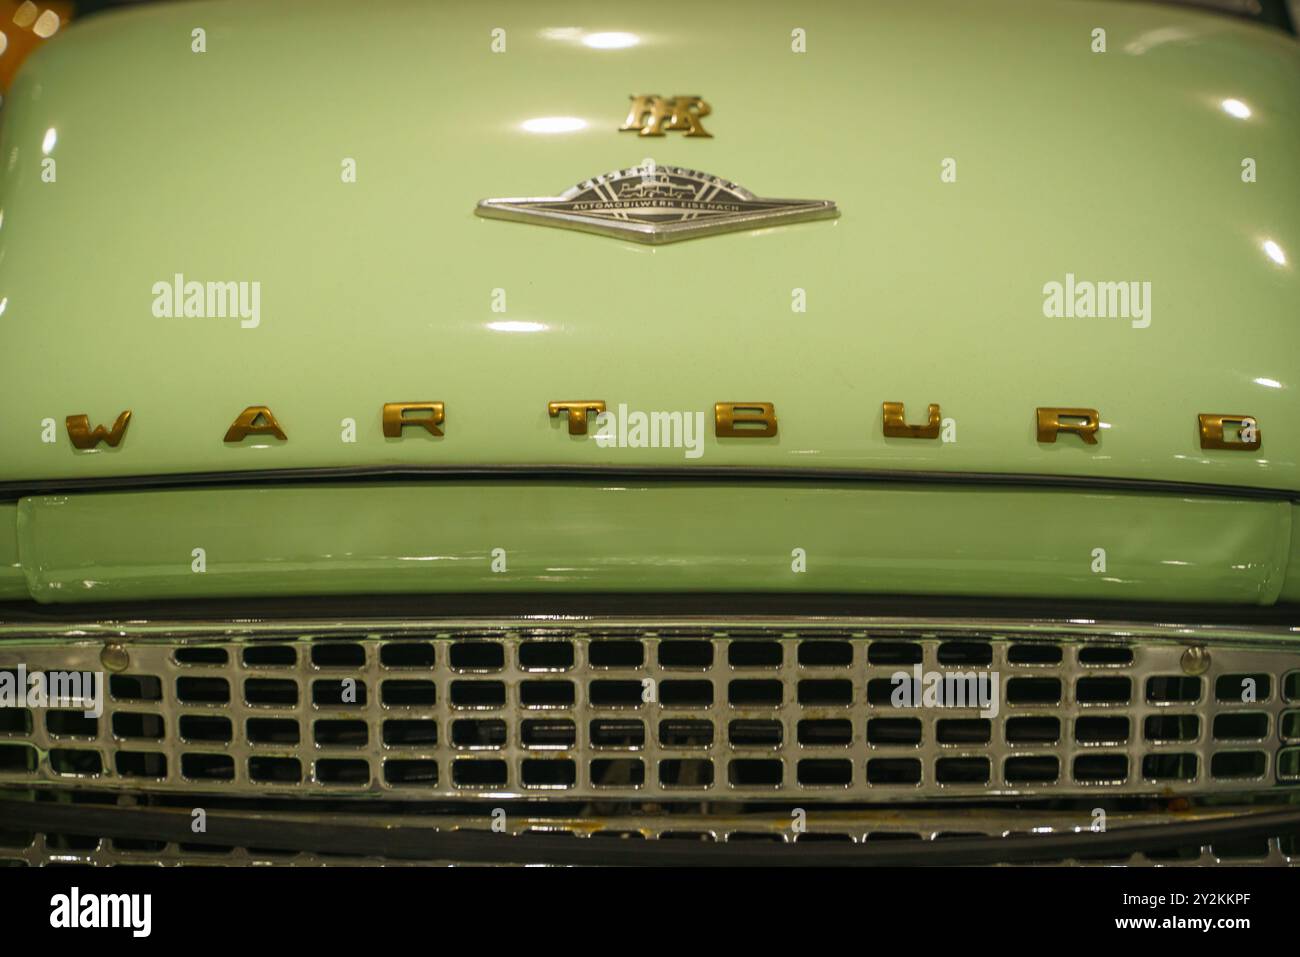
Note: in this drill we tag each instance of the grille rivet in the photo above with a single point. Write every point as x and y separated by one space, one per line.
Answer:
115 657
1196 660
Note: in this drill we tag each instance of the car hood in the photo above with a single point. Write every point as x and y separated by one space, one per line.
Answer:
231 165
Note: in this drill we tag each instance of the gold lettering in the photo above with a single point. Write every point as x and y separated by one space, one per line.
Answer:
577 411
646 114
81 436
685 115
651 115
744 420
896 426
395 417
1050 424
1213 435
248 424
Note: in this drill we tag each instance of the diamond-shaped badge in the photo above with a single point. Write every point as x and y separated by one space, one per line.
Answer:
657 204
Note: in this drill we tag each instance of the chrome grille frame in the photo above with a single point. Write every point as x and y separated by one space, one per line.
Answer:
35 849
1157 652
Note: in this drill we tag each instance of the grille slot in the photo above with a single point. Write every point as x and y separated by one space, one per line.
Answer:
486 709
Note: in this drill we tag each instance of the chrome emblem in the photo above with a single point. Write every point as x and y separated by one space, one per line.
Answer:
657 204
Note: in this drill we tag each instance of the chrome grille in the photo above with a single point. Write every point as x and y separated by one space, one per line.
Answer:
660 710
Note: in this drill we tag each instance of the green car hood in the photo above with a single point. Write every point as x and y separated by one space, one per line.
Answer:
127 159
227 165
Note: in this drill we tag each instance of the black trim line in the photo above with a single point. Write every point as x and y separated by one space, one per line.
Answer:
13 490
483 847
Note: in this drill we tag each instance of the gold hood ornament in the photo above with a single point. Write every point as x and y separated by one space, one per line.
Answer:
657 204
651 115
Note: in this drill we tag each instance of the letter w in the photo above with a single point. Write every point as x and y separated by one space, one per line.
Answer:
79 431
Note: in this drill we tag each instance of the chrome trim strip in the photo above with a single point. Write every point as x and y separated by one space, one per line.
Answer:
260 628
987 837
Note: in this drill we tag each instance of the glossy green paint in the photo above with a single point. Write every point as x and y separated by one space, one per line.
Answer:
679 537
13 584
226 165
1291 579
